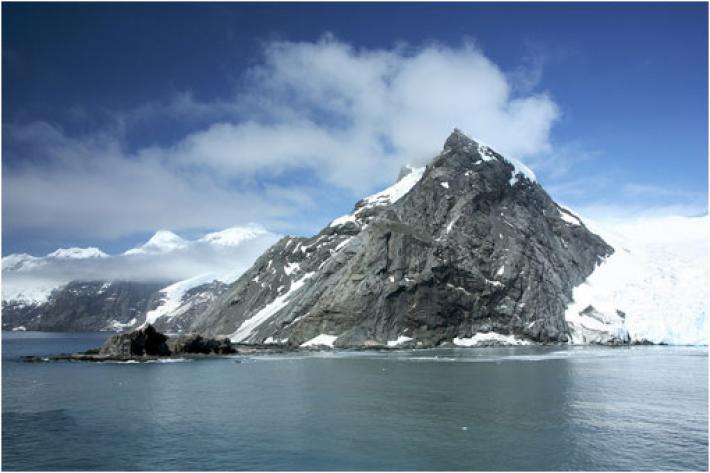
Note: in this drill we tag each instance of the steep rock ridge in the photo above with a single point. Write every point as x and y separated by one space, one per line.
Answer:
84 306
469 245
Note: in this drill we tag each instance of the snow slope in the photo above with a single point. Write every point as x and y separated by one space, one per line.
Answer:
658 279
386 197
234 236
163 241
78 253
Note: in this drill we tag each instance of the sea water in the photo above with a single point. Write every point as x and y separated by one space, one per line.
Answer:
522 408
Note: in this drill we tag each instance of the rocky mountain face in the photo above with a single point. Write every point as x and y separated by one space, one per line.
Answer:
466 250
189 305
84 306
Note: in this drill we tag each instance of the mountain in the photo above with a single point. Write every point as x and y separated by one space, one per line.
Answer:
78 253
83 306
469 249
79 289
162 242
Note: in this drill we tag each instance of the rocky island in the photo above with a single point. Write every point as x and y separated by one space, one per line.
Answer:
147 344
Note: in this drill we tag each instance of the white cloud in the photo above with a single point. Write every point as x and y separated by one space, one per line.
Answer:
348 118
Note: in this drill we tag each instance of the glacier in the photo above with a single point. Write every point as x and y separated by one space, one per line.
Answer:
654 288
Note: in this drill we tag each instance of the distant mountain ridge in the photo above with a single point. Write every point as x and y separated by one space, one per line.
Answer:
39 292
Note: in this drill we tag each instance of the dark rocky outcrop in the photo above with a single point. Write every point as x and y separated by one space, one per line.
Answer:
149 342
196 344
144 342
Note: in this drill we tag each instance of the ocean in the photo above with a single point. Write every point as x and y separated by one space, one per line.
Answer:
518 408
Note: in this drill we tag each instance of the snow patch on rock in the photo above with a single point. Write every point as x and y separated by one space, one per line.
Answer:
484 338
248 326
343 220
321 340
395 192
401 339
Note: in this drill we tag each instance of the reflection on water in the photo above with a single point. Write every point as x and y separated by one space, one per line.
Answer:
522 408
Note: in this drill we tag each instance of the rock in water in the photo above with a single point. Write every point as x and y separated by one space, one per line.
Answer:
468 249
144 342
196 344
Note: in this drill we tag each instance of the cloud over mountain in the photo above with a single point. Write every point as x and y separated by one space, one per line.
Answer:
309 116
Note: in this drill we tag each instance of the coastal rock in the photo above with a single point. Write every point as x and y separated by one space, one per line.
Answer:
144 342
196 344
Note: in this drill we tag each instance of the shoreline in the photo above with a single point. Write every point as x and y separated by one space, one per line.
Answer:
93 356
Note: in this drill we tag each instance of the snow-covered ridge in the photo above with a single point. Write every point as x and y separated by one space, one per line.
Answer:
519 169
234 236
653 288
78 253
386 197
398 190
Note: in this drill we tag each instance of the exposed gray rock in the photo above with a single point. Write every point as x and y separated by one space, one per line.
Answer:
194 302
474 246
196 344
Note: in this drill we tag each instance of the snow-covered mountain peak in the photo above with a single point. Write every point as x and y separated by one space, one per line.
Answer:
459 141
234 236
162 241
16 262
77 253
165 238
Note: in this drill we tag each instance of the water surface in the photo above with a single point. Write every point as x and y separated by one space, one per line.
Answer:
522 408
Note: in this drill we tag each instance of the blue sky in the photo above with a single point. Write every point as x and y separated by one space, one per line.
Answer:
122 119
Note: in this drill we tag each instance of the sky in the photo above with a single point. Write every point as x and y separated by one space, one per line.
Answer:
119 120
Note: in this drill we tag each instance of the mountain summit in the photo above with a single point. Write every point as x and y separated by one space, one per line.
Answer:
468 249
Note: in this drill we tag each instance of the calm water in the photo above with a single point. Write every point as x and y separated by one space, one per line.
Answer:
556 408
